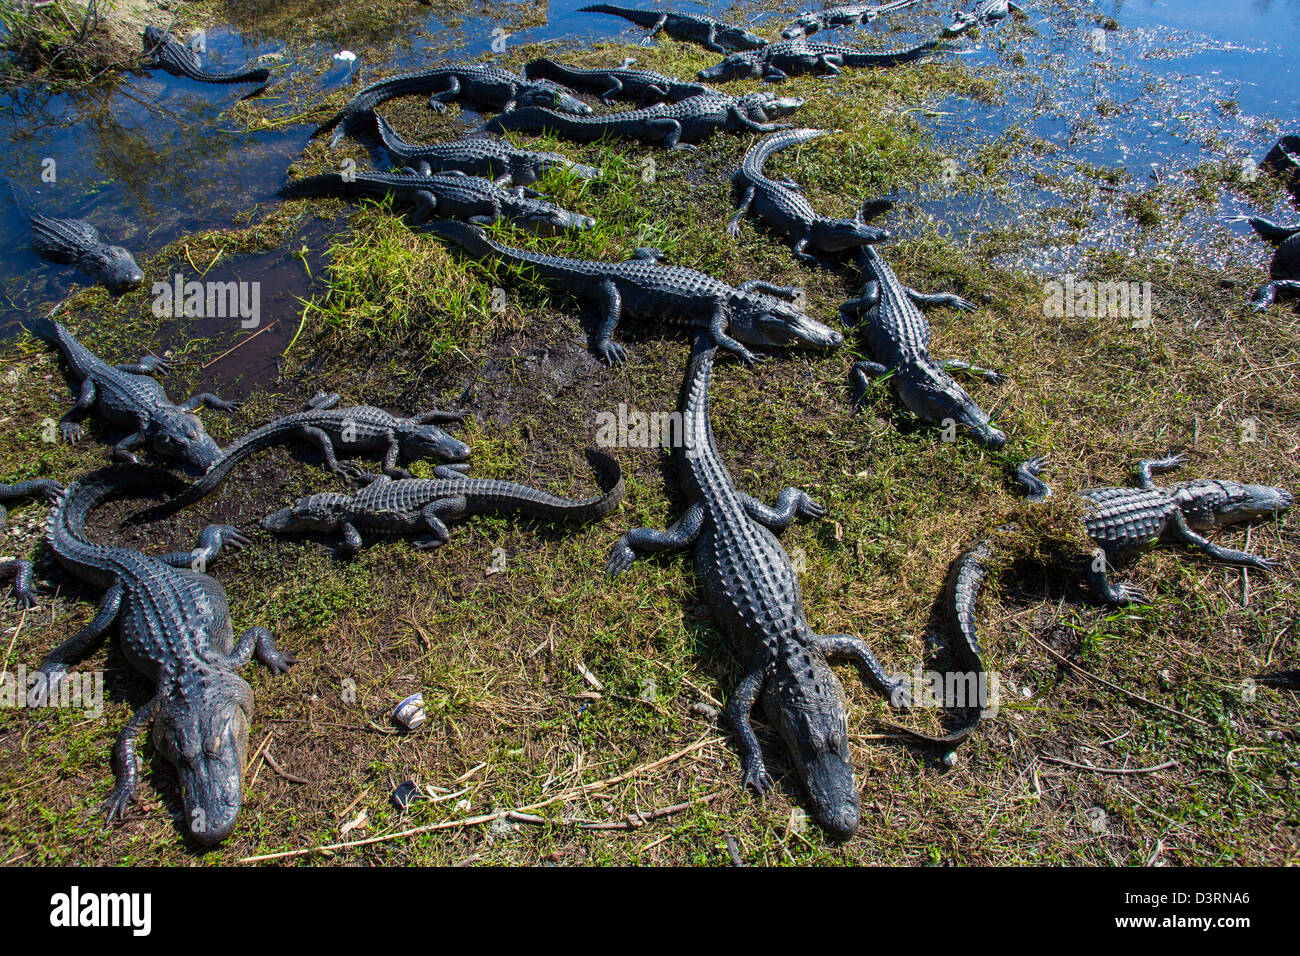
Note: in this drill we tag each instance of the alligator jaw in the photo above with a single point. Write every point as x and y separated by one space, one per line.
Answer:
828 779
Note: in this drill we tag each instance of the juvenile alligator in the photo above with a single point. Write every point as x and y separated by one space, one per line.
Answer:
423 505
611 83
1284 272
985 13
476 156
75 242
672 125
175 627
1124 522
795 57
125 395
850 15
753 592
707 32
483 87
783 205
357 429
20 569
165 51
453 195
898 335
643 286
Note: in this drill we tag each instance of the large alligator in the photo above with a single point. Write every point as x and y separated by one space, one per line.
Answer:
1124 522
898 335
163 50
1284 272
850 15
75 242
125 395
482 86
356 429
176 630
783 205
422 506
486 156
753 591
709 33
795 57
20 569
985 13
749 314
672 125
611 83
453 195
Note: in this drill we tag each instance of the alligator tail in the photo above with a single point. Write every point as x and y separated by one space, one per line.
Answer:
642 18
470 238
51 332
510 497
65 529
544 68
782 140
326 184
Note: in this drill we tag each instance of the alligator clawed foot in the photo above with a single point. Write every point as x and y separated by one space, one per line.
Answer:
733 229
900 697
114 807
1130 594
430 543
621 558
808 508
758 779
994 378
25 602
279 662
71 431
611 353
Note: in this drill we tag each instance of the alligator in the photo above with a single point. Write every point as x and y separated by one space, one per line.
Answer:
484 156
355 429
422 506
751 587
794 57
75 242
707 32
1283 161
484 87
175 628
453 195
672 125
126 395
163 50
750 313
851 15
783 205
1123 522
611 83
20 569
898 335
1284 272
985 13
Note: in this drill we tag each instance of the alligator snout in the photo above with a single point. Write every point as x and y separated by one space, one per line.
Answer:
828 778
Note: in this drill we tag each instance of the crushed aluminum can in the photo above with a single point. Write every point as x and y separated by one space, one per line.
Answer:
410 712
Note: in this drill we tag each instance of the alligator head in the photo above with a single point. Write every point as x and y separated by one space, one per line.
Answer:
549 161
153 36
803 700
552 96
935 397
765 106
738 38
178 434
1209 504
735 66
114 266
961 23
766 321
430 441
545 219
803 25
206 738
323 512
836 235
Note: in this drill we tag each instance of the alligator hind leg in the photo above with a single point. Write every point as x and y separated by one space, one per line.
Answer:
846 647
438 100
260 639
1117 595
989 375
435 515
1179 530
20 569
733 224
212 541
148 365
790 292
1149 466
201 399
124 762
790 503
603 344
683 533
742 702
1269 293
70 424
326 444
56 663
941 298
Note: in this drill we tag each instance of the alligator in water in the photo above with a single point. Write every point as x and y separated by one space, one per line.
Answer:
749 314
20 569
753 591
353 430
176 630
898 335
850 15
794 57
782 204
672 125
422 506
985 13
125 395
75 242
611 83
1284 273
1124 522
483 87
485 156
450 195
163 50
707 32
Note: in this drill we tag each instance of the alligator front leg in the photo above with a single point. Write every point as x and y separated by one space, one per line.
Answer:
1117 595
124 762
611 306
261 640
680 536
733 224
790 503
1156 466
21 570
390 458
671 131
846 647
987 374
438 101
57 662
148 365
1270 292
861 376
202 399
70 424
122 451
718 323
851 312
654 30
941 298
326 445
801 253
791 292
1179 530
774 74
434 517
426 207
211 542
351 543
739 708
